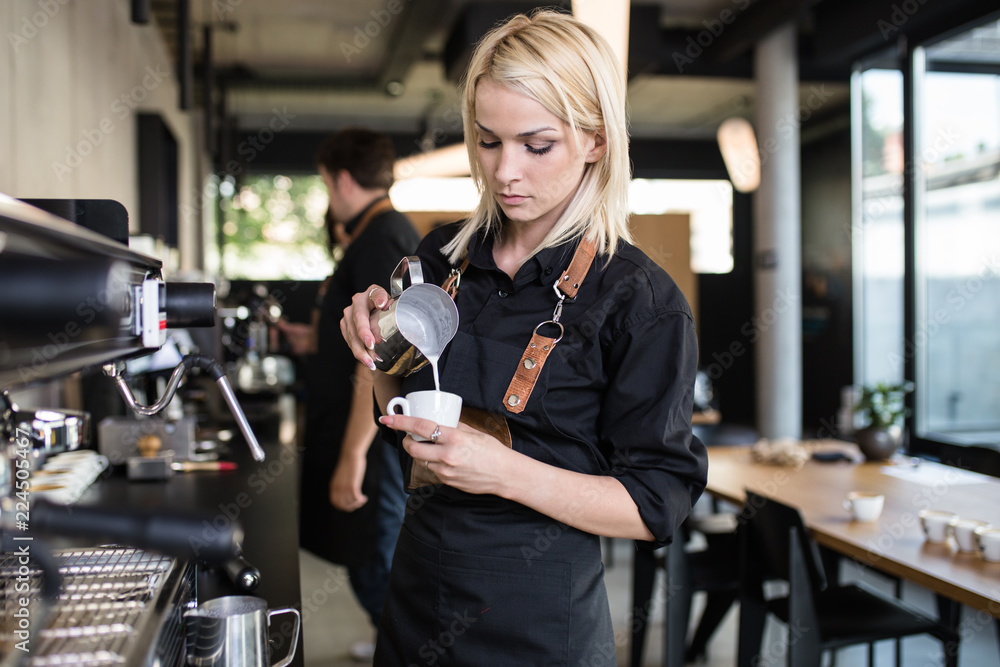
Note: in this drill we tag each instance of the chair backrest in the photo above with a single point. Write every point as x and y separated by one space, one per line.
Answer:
767 525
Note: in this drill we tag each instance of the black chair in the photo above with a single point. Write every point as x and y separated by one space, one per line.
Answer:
774 544
710 570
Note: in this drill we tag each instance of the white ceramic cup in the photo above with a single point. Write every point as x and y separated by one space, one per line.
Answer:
964 531
937 524
440 407
864 506
989 543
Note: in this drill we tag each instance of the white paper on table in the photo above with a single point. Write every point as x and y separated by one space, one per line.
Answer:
935 474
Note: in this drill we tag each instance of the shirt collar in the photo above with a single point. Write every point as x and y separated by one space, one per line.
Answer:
544 267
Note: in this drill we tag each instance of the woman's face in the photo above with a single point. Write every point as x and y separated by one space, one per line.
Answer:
529 156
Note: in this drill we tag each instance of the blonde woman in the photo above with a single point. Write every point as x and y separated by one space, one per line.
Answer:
583 368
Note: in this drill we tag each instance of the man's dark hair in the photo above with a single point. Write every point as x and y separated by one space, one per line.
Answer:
366 155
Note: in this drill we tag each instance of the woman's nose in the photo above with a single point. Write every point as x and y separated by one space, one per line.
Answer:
508 170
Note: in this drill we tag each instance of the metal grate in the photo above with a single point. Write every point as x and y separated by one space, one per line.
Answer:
104 615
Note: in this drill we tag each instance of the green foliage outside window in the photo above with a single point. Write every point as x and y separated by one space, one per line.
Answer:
273 228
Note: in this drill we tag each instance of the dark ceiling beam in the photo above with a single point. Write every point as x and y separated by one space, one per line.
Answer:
653 50
748 27
474 22
409 37
849 30
670 58
676 52
240 76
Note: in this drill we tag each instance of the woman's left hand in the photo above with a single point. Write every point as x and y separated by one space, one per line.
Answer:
462 457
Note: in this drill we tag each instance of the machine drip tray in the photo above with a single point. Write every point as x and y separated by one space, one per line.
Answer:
117 606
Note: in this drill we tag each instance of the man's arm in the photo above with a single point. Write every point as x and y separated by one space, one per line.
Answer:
345 485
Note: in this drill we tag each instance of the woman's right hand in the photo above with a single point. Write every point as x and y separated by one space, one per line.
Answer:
356 323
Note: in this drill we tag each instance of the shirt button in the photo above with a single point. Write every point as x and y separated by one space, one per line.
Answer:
548 270
502 294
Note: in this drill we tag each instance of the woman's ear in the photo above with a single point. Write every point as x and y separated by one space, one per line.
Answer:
599 148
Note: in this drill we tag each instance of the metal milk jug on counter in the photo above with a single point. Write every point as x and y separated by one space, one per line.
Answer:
232 631
420 322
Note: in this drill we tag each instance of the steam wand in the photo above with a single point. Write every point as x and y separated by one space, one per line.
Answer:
116 371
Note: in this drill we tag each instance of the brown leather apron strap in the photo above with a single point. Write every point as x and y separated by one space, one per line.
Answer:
528 369
379 207
451 283
573 277
539 347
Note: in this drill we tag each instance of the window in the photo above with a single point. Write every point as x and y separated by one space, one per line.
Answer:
877 235
955 343
273 228
935 320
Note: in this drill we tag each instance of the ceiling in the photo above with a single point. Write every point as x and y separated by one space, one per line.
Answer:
393 64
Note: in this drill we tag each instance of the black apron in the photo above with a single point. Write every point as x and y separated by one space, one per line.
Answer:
479 580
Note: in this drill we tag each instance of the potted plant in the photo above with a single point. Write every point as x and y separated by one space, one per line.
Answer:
882 407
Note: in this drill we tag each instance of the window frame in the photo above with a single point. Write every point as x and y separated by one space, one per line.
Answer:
914 211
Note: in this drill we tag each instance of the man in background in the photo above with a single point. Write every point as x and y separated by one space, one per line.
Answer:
352 496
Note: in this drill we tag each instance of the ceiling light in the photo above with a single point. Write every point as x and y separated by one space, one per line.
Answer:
738 145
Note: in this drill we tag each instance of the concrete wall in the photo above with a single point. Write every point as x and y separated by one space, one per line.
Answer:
74 74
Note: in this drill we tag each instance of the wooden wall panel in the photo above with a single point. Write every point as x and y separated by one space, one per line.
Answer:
667 240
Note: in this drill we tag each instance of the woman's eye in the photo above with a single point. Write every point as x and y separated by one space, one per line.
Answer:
538 151
488 145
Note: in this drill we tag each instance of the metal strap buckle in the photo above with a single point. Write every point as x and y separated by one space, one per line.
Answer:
553 322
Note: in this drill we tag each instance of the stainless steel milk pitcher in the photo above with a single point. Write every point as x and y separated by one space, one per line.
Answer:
232 631
420 321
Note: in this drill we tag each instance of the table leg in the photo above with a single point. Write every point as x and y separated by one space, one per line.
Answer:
643 575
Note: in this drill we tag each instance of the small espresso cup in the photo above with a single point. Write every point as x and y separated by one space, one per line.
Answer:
964 531
937 524
989 543
440 407
864 506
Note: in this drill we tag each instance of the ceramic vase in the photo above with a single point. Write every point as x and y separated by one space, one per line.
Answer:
879 443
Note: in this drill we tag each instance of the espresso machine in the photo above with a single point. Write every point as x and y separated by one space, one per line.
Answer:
72 299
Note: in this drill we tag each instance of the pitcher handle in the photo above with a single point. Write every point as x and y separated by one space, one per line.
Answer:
295 634
409 264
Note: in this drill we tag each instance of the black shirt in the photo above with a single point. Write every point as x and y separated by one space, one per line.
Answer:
348 538
368 260
615 396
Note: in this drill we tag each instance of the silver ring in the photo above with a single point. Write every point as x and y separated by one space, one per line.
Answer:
436 434
370 292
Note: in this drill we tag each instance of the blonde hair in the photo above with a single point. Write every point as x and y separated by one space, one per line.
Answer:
569 69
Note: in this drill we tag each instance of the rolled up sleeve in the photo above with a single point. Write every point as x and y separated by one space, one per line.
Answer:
646 418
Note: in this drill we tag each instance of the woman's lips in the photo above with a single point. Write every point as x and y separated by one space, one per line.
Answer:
512 199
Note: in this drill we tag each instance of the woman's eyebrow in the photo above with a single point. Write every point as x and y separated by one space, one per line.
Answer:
529 133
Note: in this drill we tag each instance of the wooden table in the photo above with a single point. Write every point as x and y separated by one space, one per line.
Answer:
895 543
